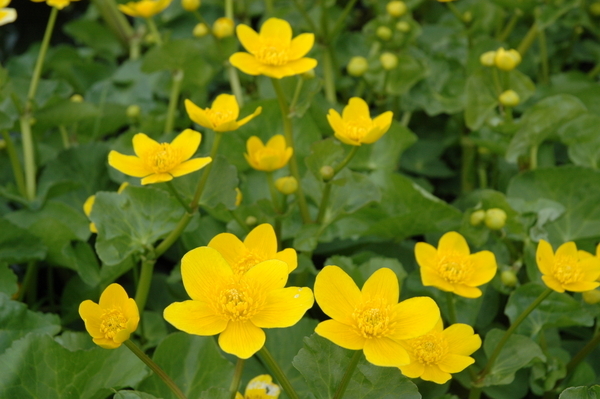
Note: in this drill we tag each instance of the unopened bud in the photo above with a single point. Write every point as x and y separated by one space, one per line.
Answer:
150 38
403 26
509 278
488 58
122 187
388 61
251 220
510 98
592 297
467 16
223 27
327 172
287 185
477 217
238 197
190 5
200 30
495 218
595 9
507 60
133 111
357 66
384 33
308 75
396 8
76 98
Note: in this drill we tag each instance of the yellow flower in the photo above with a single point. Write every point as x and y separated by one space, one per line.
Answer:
144 8
160 162
236 306
222 116
372 319
60 4
113 320
223 27
190 5
260 245
507 60
7 15
275 155
200 30
355 126
451 267
286 185
568 269
273 52
439 353
261 387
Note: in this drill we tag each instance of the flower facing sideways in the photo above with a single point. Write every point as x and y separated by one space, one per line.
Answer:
7 15
111 321
144 8
355 126
273 52
59 4
568 269
236 306
261 387
259 245
275 155
451 267
371 319
159 162
222 116
439 353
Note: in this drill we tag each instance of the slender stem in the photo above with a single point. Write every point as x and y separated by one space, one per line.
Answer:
229 9
296 94
451 308
340 21
289 138
236 87
468 158
406 118
595 71
329 75
510 26
528 39
533 157
141 294
30 275
583 353
116 21
311 24
273 190
360 89
28 156
173 235
207 169
497 83
156 368
456 13
173 100
64 136
544 56
272 364
178 197
346 160
154 30
269 6
16 165
237 377
339 392
37 71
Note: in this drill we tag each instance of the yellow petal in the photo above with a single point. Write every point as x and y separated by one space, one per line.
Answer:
194 317
275 28
268 275
93 228
335 121
132 314
190 166
382 284
226 103
413 370
453 242
434 374
242 338
340 334
346 140
202 269
284 307
8 15
553 283
248 37
227 127
385 352
142 145
301 45
337 294
290 257
106 343
91 312
484 268
230 247
461 339
590 268
373 135
297 67
157 178
197 115
455 363
187 142
382 123
122 336
357 108
253 145
246 63
128 164
113 297
568 249
414 317
431 278
545 257
247 119
277 142
262 241
88 205
581 286
466 291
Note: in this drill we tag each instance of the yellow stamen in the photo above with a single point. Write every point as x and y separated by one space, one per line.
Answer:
357 129
567 270
113 321
372 319
163 159
237 301
455 268
246 262
430 348
219 117
273 54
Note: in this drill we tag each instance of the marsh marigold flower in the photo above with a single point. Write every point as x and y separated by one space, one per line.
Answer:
451 267
144 8
439 353
355 126
371 319
7 15
568 269
260 245
59 4
221 116
236 306
160 162
275 155
261 387
111 321
507 60
273 52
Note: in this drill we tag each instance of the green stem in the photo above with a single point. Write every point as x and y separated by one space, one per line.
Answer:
28 156
583 353
236 87
116 21
329 75
273 190
346 160
178 197
510 26
30 275
207 169
64 136
468 158
156 368
339 24
497 83
173 235
595 71
339 392
406 118
474 393
237 377
456 13
239 220
37 71
296 94
173 100
229 9
154 30
272 364
289 138
544 56
269 6
533 157
141 294
528 39
451 308
16 165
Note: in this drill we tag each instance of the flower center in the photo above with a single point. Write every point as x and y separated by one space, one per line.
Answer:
163 159
567 270
219 117
372 319
237 301
430 348
454 268
113 321
357 129
273 54
246 262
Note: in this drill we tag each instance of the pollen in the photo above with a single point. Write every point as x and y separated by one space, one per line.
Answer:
567 270
246 262
455 268
163 159
113 321
220 116
357 129
273 54
430 348
372 319
237 301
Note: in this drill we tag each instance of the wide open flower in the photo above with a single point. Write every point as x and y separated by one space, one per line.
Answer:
275 155
236 306
272 52
259 245
111 321
261 387
372 319
7 15
451 267
355 126
222 116
439 353
160 162
568 269
59 4
144 8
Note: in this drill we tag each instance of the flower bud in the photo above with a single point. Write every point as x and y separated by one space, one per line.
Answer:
122 187
488 58
510 98
495 218
238 197
403 26
308 75
509 278
200 30
396 8
592 297
595 11
477 217
287 185
507 60
388 61
190 5
251 221
467 17
327 172
77 98
133 111
357 66
384 33
223 27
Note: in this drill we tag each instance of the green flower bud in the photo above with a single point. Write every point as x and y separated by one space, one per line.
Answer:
251 221
77 98
133 111
384 33
223 27
595 9
510 98
190 5
388 61
468 16
477 217
200 30
357 66
495 218
509 278
287 185
488 58
327 172
396 8
507 60
592 297
308 75
403 26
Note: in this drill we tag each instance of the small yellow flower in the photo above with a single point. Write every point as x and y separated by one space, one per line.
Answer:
568 269
223 27
7 15
222 116
275 155
286 185
190 5
144 8
200 30
355 126
160 162
111 321
451 267
261 387
273 52
236 306
60 4
507 60
372 319
260 245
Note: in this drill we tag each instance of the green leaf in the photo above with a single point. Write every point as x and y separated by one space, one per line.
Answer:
328 152
17 321
8 280
581 135
385 152
65 113
323 364
549 13
482 99
93 34
518 352
581 393
39 367
132 221
133 395
17 245
409 71
216 393
194 363
350 192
